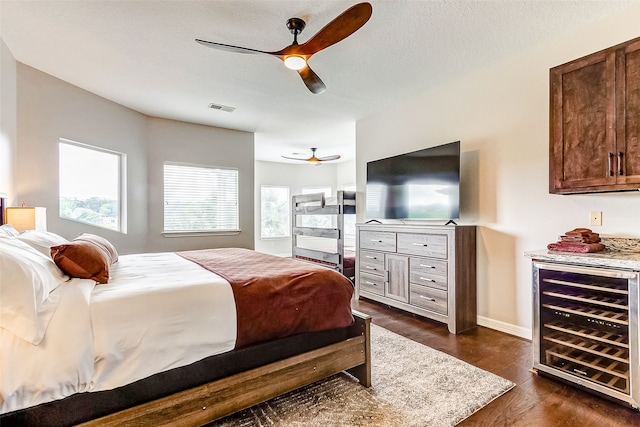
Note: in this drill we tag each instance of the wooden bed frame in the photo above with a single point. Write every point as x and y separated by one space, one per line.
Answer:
214 400
315 204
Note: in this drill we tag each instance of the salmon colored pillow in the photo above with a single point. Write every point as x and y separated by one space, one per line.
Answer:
83 260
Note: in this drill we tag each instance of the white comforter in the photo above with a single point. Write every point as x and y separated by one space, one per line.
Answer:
159 311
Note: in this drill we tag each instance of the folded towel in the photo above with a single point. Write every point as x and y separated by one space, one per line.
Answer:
589 238
579 232
575 247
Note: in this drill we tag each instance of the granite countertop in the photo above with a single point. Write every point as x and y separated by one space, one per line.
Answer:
606 258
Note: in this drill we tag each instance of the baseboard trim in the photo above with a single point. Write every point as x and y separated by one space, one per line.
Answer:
507 328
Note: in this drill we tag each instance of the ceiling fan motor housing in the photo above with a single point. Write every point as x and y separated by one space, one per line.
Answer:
296 25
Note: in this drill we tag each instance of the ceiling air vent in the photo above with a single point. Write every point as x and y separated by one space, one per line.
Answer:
222 108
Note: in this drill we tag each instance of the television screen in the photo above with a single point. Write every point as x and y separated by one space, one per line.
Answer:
423 184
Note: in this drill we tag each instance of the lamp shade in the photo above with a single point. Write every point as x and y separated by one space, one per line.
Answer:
27 218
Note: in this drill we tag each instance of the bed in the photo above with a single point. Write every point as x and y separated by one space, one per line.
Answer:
192 335
337 256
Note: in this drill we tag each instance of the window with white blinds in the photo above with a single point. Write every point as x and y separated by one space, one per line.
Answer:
200 198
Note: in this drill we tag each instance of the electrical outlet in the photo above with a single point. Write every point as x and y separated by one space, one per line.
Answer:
595 218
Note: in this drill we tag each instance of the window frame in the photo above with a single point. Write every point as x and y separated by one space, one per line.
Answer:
288 229
207 232
121 223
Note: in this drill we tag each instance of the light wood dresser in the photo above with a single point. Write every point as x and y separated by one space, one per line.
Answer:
425 270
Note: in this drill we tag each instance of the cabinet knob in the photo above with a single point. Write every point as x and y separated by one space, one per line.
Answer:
427 266
370 268
420 244
376 240
370 283
428 298
370 257
427 279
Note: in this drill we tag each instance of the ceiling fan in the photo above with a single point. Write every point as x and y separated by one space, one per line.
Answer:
313 159
296 56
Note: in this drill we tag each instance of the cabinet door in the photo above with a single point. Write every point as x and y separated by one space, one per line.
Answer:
628 113
397 284
582 134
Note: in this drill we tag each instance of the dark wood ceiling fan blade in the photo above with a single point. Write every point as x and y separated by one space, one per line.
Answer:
327 158
345 24
311 80
305 159
230 48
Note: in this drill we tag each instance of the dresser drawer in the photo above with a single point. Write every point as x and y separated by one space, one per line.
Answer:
432 245
428 272
429 298
372 262
371 283
378 240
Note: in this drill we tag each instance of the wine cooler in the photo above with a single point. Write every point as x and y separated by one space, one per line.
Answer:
586 328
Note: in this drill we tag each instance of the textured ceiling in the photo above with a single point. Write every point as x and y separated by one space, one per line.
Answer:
142 54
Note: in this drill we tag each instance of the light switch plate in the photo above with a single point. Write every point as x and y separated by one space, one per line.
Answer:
595 218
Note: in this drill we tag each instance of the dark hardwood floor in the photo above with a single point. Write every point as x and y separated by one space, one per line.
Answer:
534 401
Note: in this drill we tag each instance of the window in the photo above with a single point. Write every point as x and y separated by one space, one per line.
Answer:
274 212
91 185
200 198
324 221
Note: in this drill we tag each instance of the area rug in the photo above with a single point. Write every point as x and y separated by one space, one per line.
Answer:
413 385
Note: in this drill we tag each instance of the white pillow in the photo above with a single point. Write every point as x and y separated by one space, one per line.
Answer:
42 240
27 281
7 230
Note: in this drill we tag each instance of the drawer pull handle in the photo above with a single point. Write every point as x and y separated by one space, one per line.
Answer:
370 257
427 266
370 268
427 298
420 244
427 279
376 240
370 283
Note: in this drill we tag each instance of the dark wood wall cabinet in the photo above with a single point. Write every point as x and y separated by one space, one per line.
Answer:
594 143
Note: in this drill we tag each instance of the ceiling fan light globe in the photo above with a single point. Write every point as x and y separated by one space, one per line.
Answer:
295 62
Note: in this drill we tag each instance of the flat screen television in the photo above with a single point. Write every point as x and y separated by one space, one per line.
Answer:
421 185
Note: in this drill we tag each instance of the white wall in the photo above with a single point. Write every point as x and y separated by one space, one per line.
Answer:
49 108
169 140
295 177
501 115
8 121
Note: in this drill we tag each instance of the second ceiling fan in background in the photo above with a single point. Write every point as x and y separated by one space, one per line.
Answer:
313 159
296 56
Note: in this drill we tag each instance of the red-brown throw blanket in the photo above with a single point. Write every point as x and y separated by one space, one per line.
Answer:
575 247
276 296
